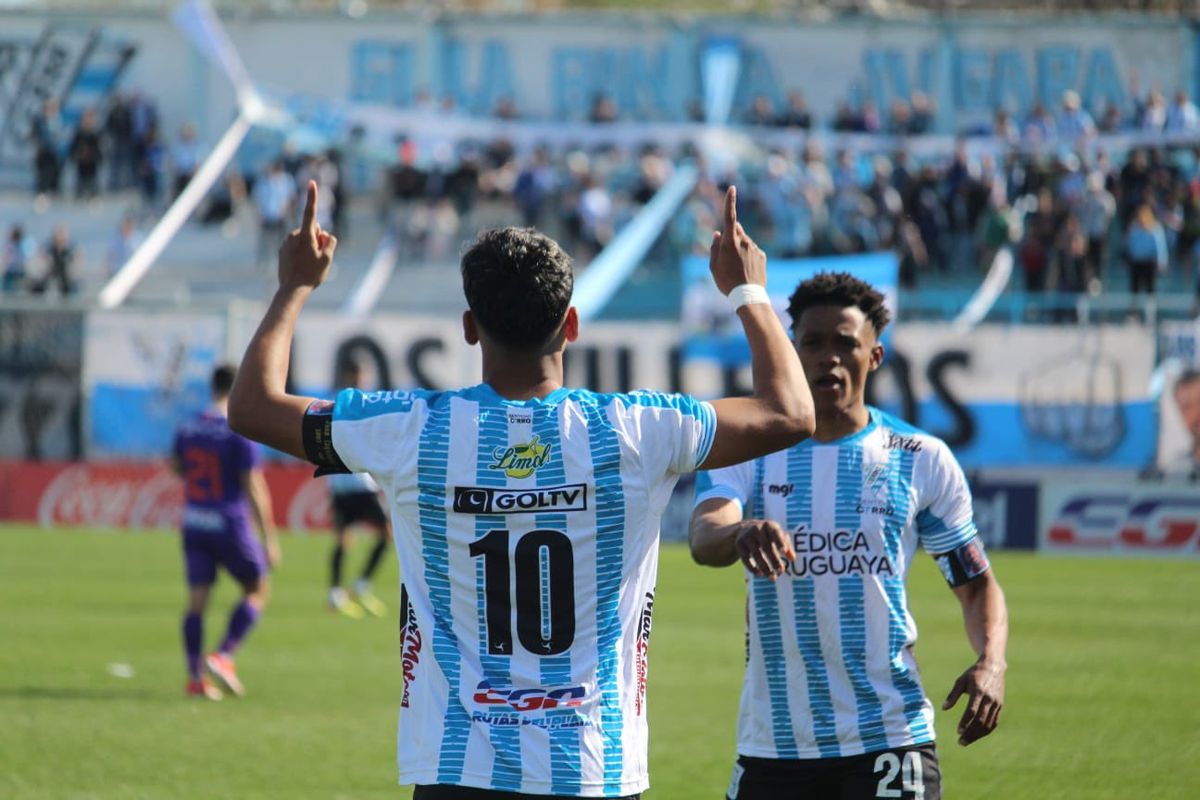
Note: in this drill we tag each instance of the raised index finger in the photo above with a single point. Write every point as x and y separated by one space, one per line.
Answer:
730 213
310 209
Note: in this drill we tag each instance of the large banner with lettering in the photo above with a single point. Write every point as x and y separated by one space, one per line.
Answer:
552 67
144 373
139 495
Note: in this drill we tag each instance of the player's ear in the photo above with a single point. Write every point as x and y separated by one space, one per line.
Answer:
470 329
876 356
570 326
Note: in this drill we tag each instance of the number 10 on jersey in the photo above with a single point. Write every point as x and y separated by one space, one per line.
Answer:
543 565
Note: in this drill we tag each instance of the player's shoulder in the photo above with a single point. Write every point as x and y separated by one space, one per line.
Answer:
355 404
897 434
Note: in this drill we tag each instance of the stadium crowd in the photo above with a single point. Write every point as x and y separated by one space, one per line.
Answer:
1075 215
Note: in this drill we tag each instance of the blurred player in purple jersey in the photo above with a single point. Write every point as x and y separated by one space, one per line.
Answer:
355 501
223 485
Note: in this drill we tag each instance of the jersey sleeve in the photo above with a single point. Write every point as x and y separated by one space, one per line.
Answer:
676 430
734 483
946 518
248 455
368 432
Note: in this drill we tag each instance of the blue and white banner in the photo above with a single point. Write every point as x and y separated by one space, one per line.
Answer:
144 374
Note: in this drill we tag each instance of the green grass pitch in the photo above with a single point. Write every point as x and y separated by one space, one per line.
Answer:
1103 681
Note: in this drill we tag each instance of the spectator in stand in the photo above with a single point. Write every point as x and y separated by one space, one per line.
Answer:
1074 122
900 118
1112 121
1071 272
1182 116
1185 462
603 109
84 150
1154 113
869 119
762 111
1040 127
796 114
506 109
1036 251
595 212
19 252
151 165
60 263
118 129
47 136
274 197
1004 129
535 186
923 112
143 118
1096 214
1145 250
124 243
185 158
845 120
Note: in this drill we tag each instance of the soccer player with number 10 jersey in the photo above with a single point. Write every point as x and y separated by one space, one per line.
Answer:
526 513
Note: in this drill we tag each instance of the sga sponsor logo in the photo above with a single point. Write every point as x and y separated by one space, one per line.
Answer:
522 460
1151 520
487 500
528 700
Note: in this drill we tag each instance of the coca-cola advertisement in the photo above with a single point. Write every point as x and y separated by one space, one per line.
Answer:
138 495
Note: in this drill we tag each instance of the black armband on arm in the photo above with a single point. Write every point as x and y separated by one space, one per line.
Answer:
963 564
317 432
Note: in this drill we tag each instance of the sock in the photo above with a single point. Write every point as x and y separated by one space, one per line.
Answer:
376 556
241 621
335 566
193 643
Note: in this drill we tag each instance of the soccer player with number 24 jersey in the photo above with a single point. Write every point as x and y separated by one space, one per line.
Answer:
832 705
526 513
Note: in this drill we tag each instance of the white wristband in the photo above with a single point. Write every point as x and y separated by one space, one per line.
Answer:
746 294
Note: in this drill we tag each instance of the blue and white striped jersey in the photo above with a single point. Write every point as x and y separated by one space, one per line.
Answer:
830 670
527 534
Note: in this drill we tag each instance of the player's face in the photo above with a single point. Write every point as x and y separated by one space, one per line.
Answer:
838 349
1188 398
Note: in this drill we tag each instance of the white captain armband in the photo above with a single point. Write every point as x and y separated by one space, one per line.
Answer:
317 433
963 564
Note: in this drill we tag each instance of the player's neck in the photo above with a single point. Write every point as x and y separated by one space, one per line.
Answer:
220 407
838 423
523 378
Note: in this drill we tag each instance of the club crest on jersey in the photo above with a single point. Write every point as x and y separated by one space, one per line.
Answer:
522 460
875 478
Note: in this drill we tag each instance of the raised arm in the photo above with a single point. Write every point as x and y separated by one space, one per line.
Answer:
259 407
780 411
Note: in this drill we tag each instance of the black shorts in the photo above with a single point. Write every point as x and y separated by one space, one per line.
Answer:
355 507
905 773
443 792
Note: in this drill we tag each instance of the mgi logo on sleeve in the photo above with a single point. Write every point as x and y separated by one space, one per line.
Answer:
488 500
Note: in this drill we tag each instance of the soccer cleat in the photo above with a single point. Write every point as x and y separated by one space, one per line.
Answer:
202 688
220 666
367 599
342 603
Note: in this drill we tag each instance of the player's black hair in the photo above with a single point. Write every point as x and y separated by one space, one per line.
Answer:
1187 376
840 289
518 284
222 379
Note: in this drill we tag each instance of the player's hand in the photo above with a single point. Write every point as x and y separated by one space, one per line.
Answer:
274 553
734 258
762 545
307 252
983 684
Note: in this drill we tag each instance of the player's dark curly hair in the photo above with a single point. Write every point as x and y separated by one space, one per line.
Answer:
840 289
518 284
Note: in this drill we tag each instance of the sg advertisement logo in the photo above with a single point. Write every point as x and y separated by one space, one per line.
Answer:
1151 521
